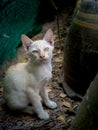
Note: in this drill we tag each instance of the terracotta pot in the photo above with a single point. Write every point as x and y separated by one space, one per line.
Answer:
81 48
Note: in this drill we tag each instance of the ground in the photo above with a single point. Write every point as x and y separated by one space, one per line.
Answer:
60 118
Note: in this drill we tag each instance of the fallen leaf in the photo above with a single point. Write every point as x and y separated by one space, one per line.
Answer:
63 95
1 89
48 90
67 104
62 119
55 54
57 59
59 51
24 60
78 103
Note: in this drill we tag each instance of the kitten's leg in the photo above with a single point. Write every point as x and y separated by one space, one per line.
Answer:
37 105
47 101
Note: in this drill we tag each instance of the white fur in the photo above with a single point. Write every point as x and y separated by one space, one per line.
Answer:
25 82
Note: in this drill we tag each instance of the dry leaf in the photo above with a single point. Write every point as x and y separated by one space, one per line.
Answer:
24 60
48 90
55 54
67 104
62 119
57 59
59 51
1 89
63 95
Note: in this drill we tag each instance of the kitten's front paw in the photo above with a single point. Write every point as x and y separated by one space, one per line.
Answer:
44 115
52 105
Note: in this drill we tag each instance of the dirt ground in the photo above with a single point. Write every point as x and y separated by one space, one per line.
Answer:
60 118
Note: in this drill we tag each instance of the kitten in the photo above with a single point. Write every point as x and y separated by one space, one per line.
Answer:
25 83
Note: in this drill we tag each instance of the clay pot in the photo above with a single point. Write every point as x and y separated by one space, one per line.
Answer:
81 48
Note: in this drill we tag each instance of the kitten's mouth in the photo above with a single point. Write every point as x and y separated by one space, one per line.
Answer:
43 60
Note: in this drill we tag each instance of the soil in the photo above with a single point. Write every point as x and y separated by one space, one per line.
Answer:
60 118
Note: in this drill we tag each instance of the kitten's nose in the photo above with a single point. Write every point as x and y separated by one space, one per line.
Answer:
42 56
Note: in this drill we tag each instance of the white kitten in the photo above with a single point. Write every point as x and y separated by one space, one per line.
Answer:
25 82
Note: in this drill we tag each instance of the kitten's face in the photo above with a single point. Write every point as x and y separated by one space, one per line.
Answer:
40 50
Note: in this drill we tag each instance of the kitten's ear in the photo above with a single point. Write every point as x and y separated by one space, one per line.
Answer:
49 37
26 41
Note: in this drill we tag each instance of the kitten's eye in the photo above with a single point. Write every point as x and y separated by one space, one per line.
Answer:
34 51
46 49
